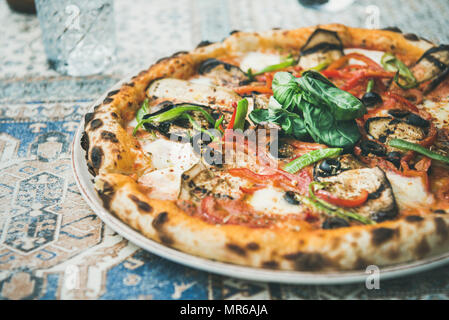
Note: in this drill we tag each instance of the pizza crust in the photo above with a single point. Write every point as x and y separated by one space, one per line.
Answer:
112 154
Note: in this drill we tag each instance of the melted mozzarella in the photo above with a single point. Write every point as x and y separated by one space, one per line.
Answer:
166 153
271 200
202 80
169 159
439 110
256 61
409 191
372 54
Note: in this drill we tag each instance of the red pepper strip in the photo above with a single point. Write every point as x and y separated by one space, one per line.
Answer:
363 74
336 74
347 203
252 189
250 88
231 123
251 176
357 56
403 100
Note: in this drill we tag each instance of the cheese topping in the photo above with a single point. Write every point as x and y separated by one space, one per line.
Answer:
372 54
256 61
272 200
409 191
169 159
439 110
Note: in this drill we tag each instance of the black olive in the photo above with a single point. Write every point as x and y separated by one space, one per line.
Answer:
330 166
369 99
289 196
334 223
398 113
370 146
416 120
439 211
395 158
383 215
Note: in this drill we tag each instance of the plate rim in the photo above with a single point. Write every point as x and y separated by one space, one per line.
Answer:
83 177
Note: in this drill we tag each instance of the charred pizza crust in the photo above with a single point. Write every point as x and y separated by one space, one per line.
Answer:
112 155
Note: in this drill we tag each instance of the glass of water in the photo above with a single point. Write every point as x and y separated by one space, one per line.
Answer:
78 35
326 5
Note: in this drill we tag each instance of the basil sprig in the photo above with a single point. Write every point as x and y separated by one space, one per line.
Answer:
315 106
290 123
405 145
318 90
404 77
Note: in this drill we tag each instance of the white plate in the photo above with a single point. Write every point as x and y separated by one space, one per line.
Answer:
84 182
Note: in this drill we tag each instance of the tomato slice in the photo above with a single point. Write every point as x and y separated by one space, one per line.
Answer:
348 203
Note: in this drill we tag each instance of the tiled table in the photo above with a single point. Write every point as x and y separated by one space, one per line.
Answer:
52 246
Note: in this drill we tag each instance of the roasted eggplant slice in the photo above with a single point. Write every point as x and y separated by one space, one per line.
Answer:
351 178
323 45
384 129
203 180
177 90
433 66
222 73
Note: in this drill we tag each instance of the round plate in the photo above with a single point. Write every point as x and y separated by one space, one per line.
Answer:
84 181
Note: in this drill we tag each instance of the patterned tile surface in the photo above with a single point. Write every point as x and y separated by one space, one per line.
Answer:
52 246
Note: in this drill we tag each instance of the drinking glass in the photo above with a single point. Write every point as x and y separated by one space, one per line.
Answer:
326 5
78 35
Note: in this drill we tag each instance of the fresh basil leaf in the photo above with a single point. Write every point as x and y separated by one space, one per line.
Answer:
319 91
324 128
285 90
291 123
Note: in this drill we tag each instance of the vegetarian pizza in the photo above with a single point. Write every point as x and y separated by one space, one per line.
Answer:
320 148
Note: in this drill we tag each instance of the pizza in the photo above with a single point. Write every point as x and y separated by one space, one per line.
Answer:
315 149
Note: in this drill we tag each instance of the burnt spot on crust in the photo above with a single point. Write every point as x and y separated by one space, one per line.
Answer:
106 194
142 205
108 100
114 115
160 220
96 156
394 29
166 239
233 31
381 235
112 93
361 263
307 261
95 124
90 168
422 248
252 246
236 249
411 37
129 84
270 264
414 219
85 141
441 228
204 43
110 136
87 118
